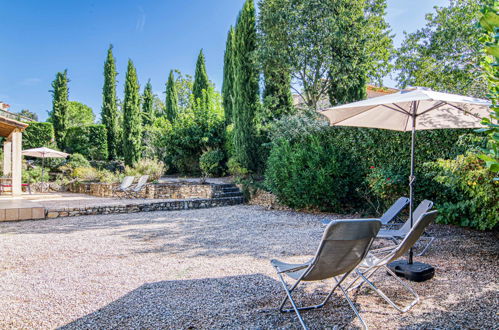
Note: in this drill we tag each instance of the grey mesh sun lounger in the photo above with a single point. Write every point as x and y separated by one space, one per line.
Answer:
380 258
133 192
397 235
125 184
343 246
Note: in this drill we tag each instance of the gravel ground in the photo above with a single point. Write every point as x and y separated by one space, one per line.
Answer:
210 268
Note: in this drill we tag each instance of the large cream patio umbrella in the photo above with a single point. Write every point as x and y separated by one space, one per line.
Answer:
411 110
43 153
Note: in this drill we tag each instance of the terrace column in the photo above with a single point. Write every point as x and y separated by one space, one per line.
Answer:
16 136
7 158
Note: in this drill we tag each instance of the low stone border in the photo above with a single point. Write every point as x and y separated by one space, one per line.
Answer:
185 204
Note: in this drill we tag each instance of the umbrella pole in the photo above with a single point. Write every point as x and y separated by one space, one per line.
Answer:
412 178
43 170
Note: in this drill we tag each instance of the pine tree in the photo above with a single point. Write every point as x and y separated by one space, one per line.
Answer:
109 110
171 102
228 82
148 114
60 107
200 77
132 121
246 88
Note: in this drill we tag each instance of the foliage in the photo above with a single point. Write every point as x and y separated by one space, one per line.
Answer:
154 168
384 187
445 54
210 162
201 80
28 114
183 86
472 194
132 122
246 89
490 64
153 138
311 172
60 107
236 169
90 141
329 46
33 174
38 135
77 160
80 114
109 112
229 77
85 174
171 102
148 114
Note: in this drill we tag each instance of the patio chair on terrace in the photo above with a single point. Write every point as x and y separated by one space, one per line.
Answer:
125 184
390 215
396 235
343 246
133 192
380 258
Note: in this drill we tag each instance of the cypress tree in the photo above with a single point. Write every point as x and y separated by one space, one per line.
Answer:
132 121
60 107
277 91
148 114
200 77
246 101
109 111
228 82
171 102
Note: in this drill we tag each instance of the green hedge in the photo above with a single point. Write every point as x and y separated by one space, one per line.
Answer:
38 135
89 140
361 149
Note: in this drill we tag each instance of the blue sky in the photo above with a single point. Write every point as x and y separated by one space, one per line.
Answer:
41 38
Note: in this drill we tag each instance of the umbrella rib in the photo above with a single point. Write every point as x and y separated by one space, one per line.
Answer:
400 109
352 115
432 108
466 112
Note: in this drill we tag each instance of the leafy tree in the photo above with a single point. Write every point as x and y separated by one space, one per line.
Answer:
109 112
200 77
80 114
183 86
132 121
445 54
246 100
60 106
229 77
328 47
489 21
148 113
171 103
28 114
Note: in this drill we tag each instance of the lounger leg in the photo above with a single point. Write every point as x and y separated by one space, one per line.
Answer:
431 239
352 306
288 296
384 296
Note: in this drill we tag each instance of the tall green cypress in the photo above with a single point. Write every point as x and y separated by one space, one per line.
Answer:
148 114
171 102
228 82
246 101
60 107
200 77
277 91
132 121
109 111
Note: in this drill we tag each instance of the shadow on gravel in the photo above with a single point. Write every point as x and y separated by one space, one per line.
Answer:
247 301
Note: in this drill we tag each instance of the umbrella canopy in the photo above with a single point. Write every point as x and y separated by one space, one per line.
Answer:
422 107
44 153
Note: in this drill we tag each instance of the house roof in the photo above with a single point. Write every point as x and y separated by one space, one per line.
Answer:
8 125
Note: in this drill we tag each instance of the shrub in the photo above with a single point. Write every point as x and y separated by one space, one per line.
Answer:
77 160
85 174
34 174
470 191
90 141
311 173
154 168
38 135
210 162
384 187
108 176
236 169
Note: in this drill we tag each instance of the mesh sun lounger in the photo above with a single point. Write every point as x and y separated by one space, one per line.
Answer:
380 258
343 246
125 184
397 235
133 192
390 214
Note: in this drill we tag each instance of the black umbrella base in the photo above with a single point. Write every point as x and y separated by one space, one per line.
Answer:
415 272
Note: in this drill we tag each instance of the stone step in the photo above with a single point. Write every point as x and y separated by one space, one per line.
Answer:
231 189
227 194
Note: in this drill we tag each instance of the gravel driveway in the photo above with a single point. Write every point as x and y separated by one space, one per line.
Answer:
210 268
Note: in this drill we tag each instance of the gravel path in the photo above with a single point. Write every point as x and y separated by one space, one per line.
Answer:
210 268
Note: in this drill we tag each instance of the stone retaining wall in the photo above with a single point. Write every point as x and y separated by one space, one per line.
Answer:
151 190
144 207
264 198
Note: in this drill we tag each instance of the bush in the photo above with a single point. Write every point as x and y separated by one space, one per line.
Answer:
86 174
154 168
311 172
34 174
38 135
210 162
236 169
90 141
110 165
470 191
77 160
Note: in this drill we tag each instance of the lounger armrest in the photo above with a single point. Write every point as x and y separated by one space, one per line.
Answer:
327 221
